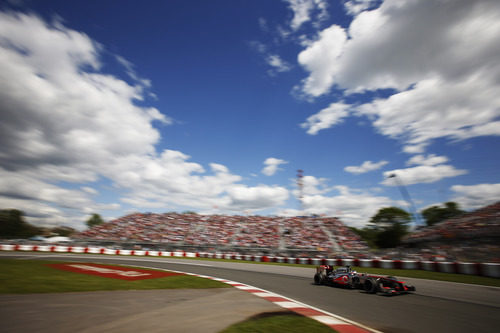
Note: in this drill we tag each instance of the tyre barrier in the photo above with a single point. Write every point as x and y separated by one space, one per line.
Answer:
481 269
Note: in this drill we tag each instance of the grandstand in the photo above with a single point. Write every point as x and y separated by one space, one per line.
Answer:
298 236
484 222
473 236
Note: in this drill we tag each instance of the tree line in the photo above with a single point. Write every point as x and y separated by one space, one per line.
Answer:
388 227
13 225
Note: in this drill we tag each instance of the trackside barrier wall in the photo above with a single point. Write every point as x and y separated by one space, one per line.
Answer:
484 269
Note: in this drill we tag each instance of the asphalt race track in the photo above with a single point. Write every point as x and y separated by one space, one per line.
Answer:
435 306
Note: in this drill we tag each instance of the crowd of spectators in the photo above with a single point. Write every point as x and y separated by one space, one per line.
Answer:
473 236
322 234
484 222
470 237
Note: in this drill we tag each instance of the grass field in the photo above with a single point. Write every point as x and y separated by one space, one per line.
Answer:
33 276
277 322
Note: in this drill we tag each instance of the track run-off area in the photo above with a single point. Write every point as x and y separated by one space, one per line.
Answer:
436 306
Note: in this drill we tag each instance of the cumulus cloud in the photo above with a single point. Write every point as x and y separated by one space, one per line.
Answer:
367 166
64 121
341 201
429 169
439 57
427 160
476 196
422 174
345 203
312 186
242 197
326 118
272 165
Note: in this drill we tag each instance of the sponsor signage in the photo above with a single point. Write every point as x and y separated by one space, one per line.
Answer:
111 271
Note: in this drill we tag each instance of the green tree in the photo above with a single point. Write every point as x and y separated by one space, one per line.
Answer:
368 234
390 225
436 214
12 225
94 220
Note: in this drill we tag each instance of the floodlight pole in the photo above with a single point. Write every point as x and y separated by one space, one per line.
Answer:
406 196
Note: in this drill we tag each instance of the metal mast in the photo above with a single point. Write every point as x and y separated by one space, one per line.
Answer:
406 196
300 186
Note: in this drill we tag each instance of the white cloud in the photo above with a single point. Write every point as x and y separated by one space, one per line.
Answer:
435 108
272 165
89 190
312 186
422 174
242 197
429 160
326 118
367 166
278 64
476 196
320 59
355 208
354 7
439 57
307 10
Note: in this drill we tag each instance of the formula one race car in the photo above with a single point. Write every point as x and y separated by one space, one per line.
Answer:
346 277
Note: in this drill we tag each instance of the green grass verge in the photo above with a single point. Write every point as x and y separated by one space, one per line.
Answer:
277 322
32 276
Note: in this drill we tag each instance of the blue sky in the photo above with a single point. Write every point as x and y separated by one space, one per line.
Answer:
212 106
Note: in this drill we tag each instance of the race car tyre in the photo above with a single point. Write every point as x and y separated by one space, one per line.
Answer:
371 286
319 278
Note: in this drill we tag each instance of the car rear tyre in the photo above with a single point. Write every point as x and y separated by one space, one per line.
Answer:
319 278
370 286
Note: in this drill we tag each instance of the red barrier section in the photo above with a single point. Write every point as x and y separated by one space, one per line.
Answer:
479 269
435 267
